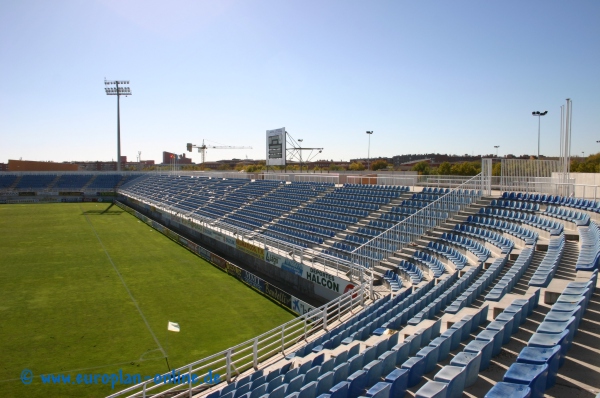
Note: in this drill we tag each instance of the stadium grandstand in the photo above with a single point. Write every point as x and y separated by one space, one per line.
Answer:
475 287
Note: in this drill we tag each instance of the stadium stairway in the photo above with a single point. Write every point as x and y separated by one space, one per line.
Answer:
90 182
15 183
53 183
433 235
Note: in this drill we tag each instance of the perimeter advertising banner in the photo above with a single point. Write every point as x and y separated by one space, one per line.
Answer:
276 147
228 240
250 249
259 284
221 262
203 253
300 307
325 283
158 227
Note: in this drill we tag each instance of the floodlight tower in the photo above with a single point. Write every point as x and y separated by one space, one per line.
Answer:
539 115
118 88
369 151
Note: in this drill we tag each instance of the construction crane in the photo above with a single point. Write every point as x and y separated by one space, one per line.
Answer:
202 148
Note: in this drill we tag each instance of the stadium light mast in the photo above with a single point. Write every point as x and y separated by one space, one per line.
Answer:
496 146
369 151
118 88
300 141
539 115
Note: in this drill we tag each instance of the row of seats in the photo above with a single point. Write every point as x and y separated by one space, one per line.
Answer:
425 197
552 227
329 224
337 209
350 203
537 364
515 205
336 254
263 216
457 258
474 247
380 224
444 300
6 181
528 236
307 227
514 274
465 366
478 287
369 192
417 204
359 240
576 217
589 251
393 280
394 318
286 238
415 274
328 215
579 203
396 218
35 181
437 191
505 245
296 234
356 323
368 232
379 187
545 271
72 181
430 262
245 220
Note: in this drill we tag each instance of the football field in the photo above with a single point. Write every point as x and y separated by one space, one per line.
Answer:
86 288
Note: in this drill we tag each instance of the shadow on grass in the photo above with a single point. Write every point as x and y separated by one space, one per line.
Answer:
105 212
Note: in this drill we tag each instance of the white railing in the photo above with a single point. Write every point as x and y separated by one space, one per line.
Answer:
274 344
306 177
410 229
324 178
276 177
402 180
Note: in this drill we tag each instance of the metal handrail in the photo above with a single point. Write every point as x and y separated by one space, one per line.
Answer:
284 339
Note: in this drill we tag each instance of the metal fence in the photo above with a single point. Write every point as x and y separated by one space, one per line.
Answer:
410 229
530 175
307 177
274 344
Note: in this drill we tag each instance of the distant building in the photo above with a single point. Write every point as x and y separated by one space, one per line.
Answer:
435 158
3 167
327 163
168 157
32 165
112 166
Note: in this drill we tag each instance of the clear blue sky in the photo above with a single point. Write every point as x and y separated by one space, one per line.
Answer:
426 76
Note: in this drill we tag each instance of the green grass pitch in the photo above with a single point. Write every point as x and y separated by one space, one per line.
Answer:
65 308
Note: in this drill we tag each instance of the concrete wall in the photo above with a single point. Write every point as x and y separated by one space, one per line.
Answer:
587 185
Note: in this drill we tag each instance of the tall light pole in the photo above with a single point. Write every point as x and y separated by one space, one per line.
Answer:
300 141
118 88
496 146
539 115
369 151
